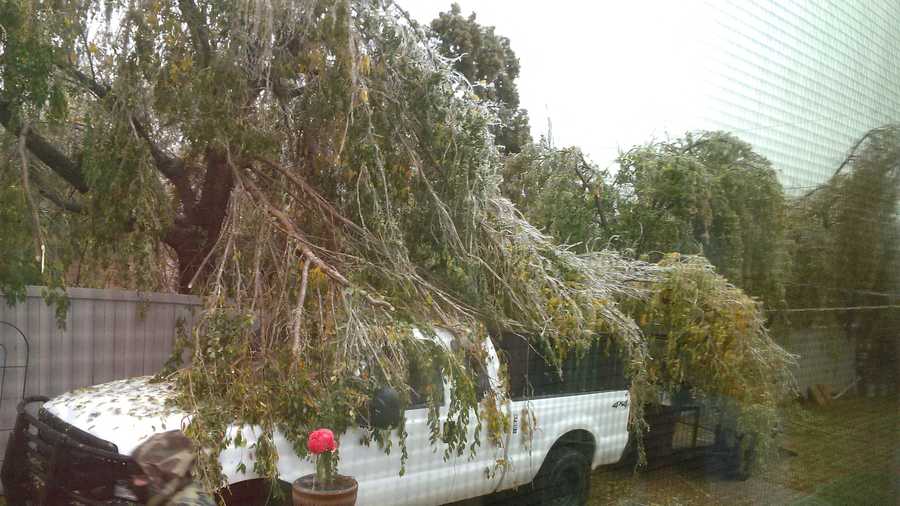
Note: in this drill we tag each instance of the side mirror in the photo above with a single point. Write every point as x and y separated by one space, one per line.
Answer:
384 408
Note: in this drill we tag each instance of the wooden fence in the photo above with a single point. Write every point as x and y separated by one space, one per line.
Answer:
108 335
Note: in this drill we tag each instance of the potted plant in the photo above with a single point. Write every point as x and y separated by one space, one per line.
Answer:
326 487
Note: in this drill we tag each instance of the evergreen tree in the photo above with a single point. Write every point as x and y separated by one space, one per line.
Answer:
489 63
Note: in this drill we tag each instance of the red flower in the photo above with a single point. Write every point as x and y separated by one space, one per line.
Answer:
320 441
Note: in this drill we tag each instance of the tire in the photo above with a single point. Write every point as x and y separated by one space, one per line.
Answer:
564 479
742 458
738 454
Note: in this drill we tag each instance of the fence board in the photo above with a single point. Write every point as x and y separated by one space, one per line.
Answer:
25 353
62 357
43 335
82 342
124 332
12 392
104 344
109 334
33 326
133 344
160 324
184 315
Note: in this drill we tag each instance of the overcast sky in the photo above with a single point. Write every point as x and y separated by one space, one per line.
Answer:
607 74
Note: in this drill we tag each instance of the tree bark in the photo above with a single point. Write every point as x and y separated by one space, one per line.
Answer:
194 235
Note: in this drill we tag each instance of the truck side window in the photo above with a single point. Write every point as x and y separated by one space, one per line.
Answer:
513 349
424 382
598 369
529 374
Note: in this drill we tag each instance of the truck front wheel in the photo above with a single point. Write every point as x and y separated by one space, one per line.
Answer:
564 478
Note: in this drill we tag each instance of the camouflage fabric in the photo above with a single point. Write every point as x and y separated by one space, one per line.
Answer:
191 495
167 460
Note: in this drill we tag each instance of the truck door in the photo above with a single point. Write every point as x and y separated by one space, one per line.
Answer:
424 478
483 473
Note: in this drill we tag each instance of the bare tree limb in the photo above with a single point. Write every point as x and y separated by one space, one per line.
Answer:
587 187
172 167
849 158
196 23
298 313
288 226
99 90
36 221
319 200
45 191
44 151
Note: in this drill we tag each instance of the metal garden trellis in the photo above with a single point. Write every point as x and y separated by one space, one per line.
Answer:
4 365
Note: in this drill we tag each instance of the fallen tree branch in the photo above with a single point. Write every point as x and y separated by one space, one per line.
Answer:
319 200
289 227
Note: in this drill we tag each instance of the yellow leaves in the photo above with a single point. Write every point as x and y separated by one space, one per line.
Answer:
365 64
181 67
316 59
347 175
186 63
316 277
522 275
553 303
92 48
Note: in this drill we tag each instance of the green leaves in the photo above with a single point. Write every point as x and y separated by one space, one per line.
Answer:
708 337
489 63
844 238
19 267
707 193
845 247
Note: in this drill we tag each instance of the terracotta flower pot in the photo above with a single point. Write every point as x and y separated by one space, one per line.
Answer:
340 493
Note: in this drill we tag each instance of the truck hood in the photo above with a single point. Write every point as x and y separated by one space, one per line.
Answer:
124 412
127 412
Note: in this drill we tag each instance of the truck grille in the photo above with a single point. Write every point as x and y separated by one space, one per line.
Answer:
49 462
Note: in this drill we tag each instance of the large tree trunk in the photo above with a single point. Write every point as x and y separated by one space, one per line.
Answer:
196 231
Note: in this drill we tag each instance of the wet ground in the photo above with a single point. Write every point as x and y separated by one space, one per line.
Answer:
847 453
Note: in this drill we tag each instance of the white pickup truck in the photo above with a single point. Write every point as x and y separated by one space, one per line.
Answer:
581 423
